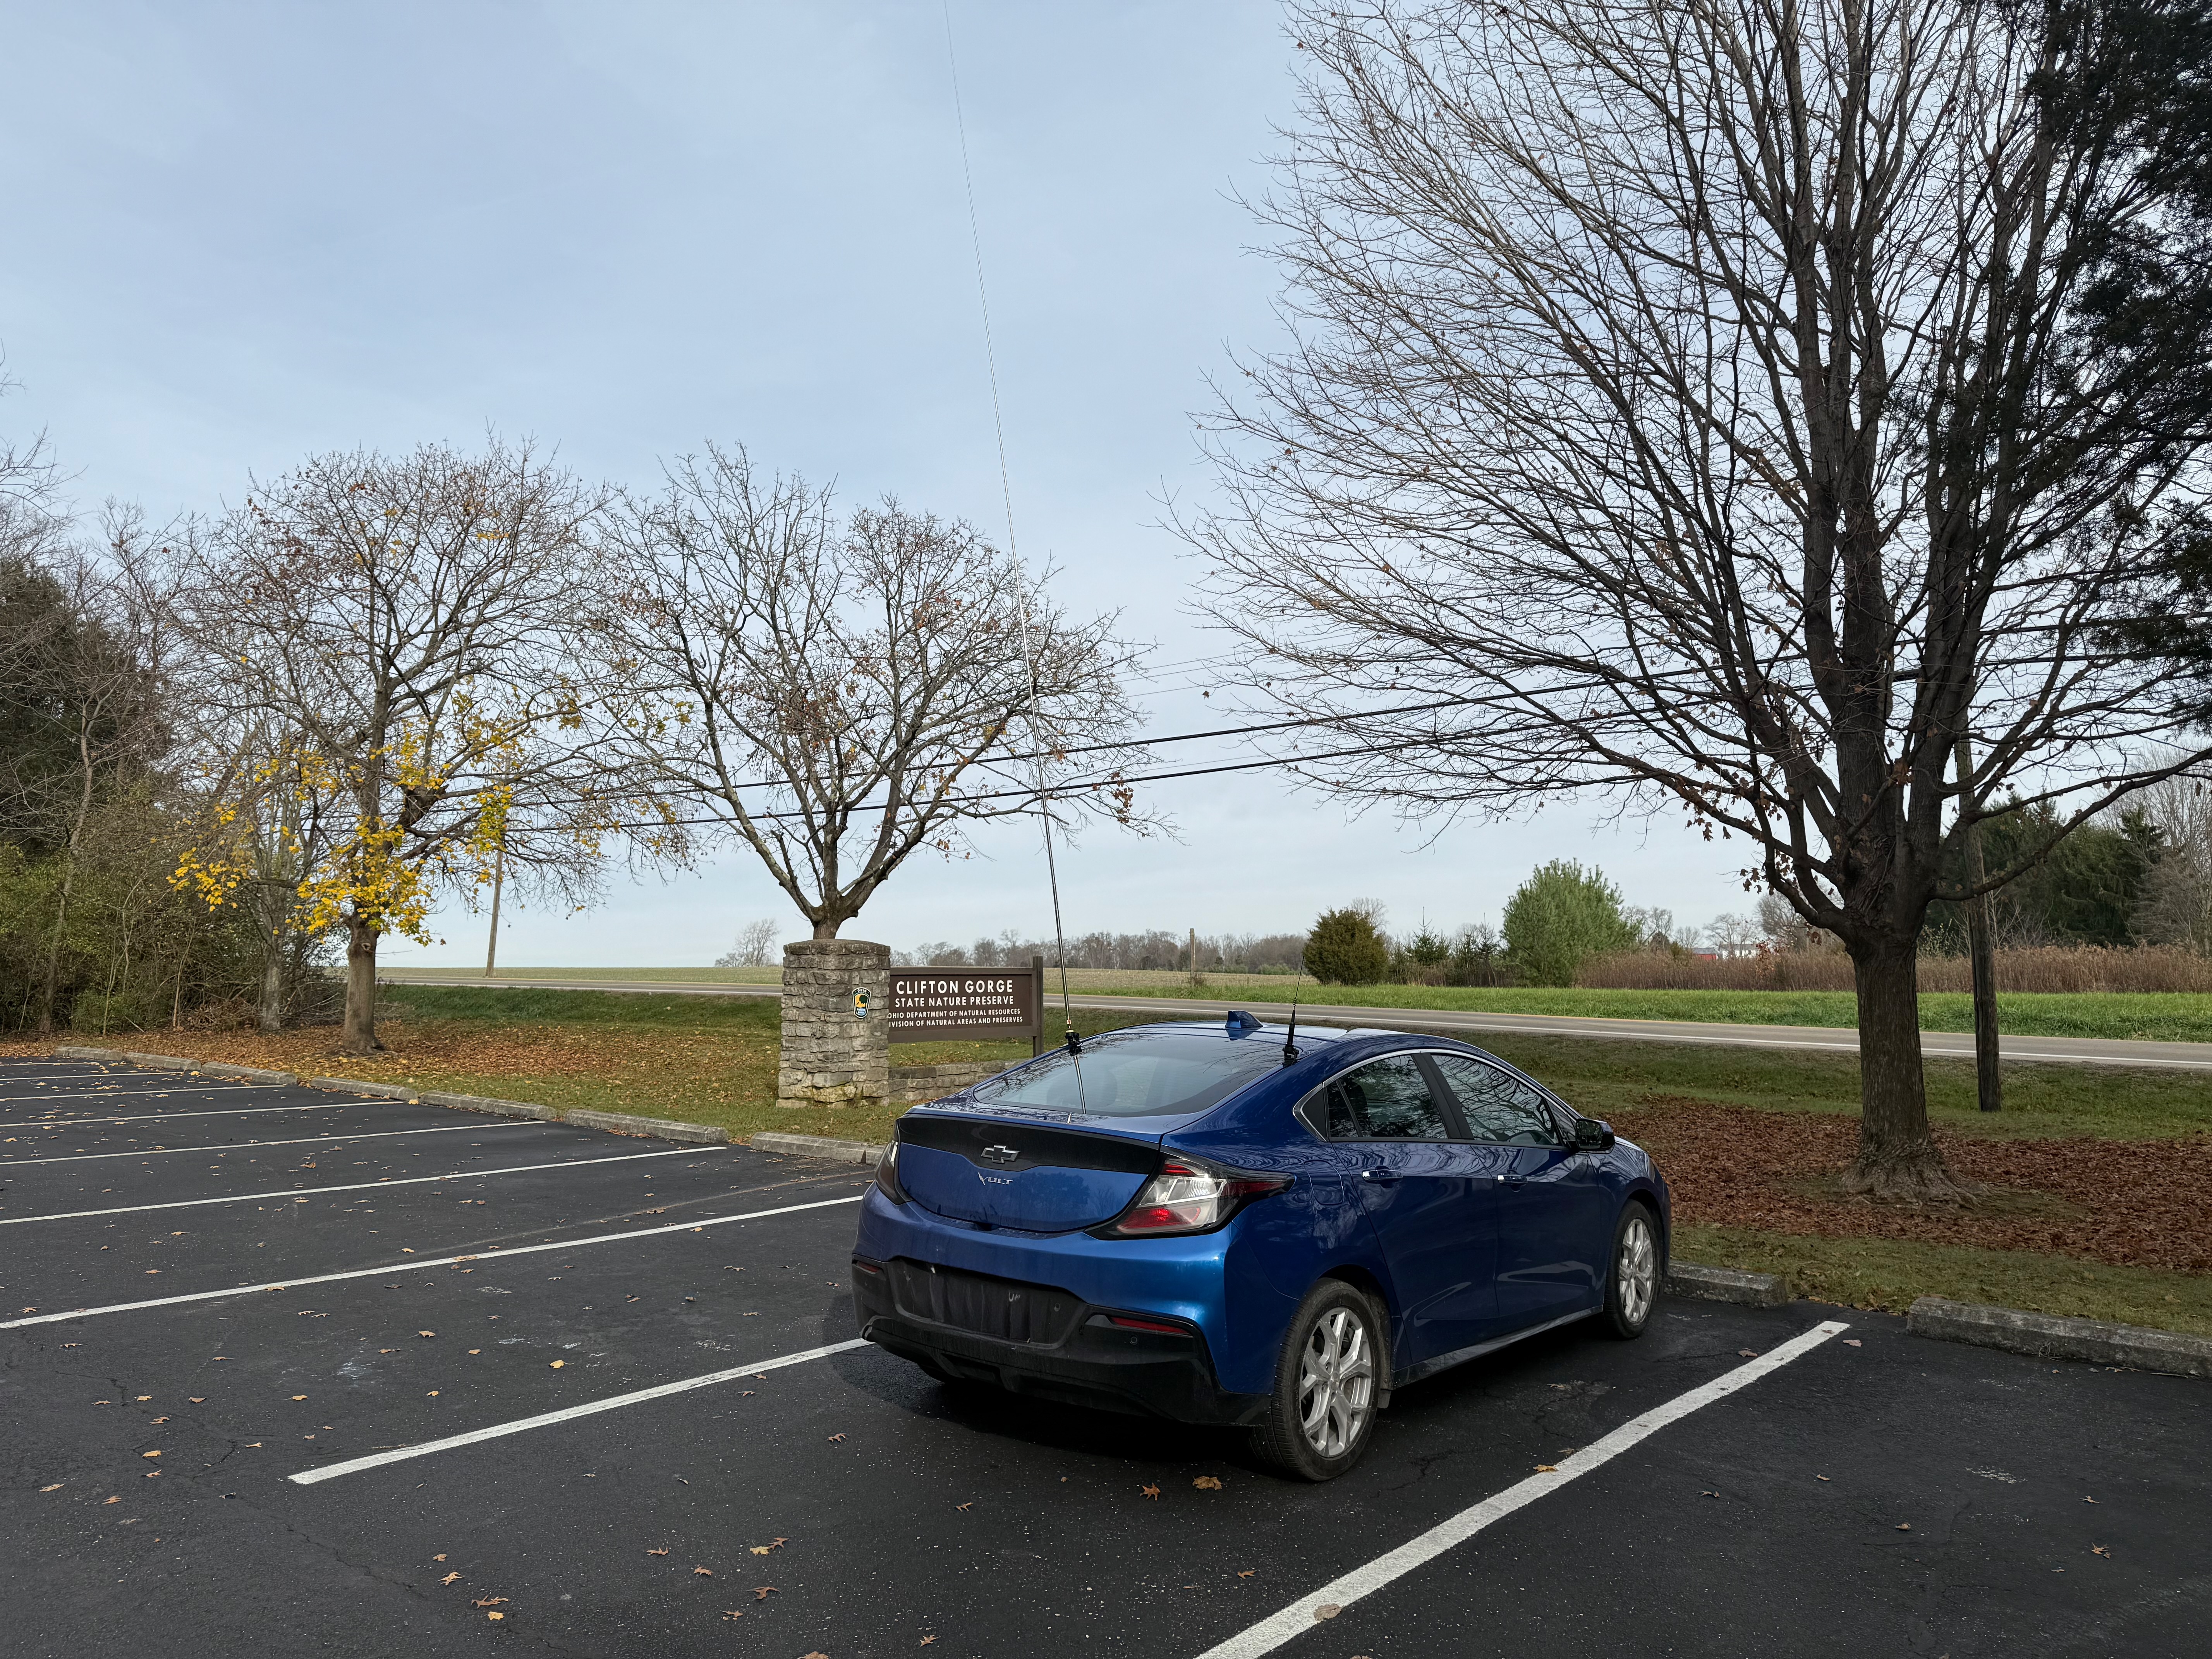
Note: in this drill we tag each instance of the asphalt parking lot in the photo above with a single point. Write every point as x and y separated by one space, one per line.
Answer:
557 1391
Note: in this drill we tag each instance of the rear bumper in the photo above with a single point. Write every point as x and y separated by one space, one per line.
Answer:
1090 1362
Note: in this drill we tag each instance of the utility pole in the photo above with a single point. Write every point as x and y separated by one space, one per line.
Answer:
1193 956
498 881
1989 1081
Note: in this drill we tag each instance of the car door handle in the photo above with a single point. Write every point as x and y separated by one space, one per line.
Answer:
1380 1177
1511 1180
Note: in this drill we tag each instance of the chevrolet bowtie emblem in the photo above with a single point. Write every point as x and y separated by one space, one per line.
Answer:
999 1154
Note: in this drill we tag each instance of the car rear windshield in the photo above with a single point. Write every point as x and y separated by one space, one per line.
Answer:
1135 1075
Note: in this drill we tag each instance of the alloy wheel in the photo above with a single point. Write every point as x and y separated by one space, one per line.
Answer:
1637 1270
1336 1381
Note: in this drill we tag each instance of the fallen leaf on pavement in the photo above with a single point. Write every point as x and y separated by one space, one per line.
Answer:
1548 1468
437 1557
2099 1549
112 1500
57 1486
426 1332
834 1438
1904 1526
1328 1610
1823 1477
702 1573
656 1552
153 1453
1207 1483
558 1364
2088 1500
495 1615
1247 1572
1150 1491
449 1578
1851 1342
196 1399
970 1505
772 1544
1747 1354
299 1396
493 1601
732 1612
762 1592
927 1640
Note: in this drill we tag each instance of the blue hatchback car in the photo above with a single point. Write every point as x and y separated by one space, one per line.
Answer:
1219 1224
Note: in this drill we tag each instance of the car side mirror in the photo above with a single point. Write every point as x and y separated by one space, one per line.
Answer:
1593 1135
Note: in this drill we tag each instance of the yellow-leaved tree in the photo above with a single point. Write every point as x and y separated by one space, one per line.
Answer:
394 625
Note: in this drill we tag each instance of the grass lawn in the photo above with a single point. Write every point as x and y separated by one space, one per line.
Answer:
712 1061
1889 1274
2177 1017
2162 1017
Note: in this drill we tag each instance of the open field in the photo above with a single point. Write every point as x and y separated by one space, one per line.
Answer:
2081 1217
2154 1017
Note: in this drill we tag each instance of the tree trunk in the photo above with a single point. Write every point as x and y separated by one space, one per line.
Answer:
359 1032
1897 1156
269 1017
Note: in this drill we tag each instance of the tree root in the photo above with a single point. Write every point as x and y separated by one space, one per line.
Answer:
1914 1175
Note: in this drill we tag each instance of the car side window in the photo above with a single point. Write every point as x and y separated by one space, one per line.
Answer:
1386 1099
1498 1106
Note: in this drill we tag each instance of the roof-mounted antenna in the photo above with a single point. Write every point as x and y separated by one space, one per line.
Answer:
1290 1042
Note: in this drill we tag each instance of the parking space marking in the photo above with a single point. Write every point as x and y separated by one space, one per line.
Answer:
384 1185
157 1117
614 1402
1305 1613
173 1088
247 1146
489 1253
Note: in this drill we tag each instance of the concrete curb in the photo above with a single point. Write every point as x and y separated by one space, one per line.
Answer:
821 1146
664 1129
2052 1336
174 1063
1746 1290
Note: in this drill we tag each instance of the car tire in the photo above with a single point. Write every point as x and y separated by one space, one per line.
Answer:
1634 1267
1331 1374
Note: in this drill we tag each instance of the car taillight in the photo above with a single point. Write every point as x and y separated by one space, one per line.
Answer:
1188 1196
887 1181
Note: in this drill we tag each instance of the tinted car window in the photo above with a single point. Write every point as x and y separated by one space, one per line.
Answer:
1497 1107
1384 1100
1135 1075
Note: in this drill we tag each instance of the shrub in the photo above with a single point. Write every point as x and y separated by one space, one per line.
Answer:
1345 949
1559 915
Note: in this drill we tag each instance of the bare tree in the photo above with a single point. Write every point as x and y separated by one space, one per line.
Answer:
1717 400
840 696
1733 935
399 620
756 945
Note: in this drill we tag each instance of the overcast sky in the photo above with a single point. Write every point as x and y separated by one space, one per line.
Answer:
238 234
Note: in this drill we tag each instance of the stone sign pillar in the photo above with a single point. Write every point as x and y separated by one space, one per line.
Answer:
836 1024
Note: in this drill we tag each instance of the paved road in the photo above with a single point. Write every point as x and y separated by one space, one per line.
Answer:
2074 1051
428 1276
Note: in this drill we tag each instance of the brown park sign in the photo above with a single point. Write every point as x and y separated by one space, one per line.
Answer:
977 1004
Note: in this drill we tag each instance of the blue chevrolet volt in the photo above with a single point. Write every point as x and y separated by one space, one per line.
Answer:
1236 1225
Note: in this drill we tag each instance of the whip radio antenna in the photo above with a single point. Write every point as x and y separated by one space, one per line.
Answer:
1006 495
1290 1042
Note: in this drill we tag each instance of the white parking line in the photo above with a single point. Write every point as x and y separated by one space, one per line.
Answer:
173 1088
351 1186
614 1402
156 1117
248 1146
1304 1613
489 1253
